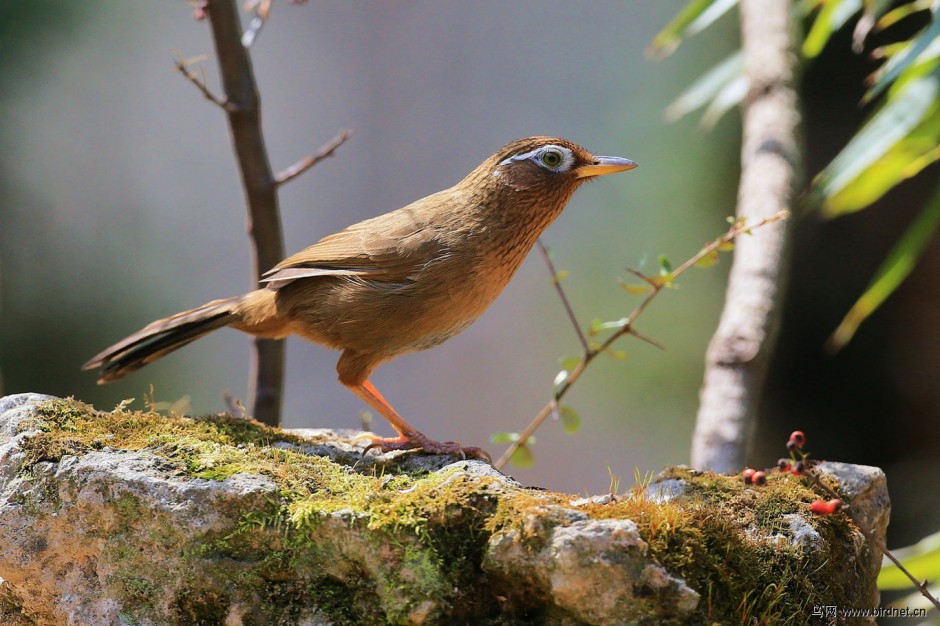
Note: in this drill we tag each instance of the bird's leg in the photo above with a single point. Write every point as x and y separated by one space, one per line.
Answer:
408 436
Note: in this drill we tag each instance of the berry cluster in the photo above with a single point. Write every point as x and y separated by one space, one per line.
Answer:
798 464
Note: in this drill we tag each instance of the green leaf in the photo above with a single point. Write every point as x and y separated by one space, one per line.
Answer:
902 161
730 96
900 115
570 420
612 325
833 15
708 260
706 88
523 456
665 266
891 274
570 362
694 18
504 438
633 288
922 559
561 275
902 60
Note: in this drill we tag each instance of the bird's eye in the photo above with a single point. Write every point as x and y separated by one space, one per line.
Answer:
552 158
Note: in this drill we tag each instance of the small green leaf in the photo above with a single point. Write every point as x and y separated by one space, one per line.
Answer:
727 246
561 275
614 324
523 456
708 260
570 362
595 327
695 17
633 288
570 420
891 274
504 438
665 266
620 355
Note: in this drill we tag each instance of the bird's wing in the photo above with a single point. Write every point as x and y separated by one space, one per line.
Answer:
390 247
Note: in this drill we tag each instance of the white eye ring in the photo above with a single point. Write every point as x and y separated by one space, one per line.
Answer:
538 155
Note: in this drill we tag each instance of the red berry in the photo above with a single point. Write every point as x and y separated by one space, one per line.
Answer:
784 465
759 478
797 438
799 468
748 475
825 508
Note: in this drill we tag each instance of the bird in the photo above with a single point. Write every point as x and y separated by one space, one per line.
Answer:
401 282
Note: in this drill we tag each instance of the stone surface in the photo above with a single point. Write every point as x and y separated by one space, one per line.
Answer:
134 518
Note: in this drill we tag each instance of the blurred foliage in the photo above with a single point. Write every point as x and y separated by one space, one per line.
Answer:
923 560
899 139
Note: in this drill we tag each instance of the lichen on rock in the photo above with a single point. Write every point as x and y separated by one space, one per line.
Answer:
131 517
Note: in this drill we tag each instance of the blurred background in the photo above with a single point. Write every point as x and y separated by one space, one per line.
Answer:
120 203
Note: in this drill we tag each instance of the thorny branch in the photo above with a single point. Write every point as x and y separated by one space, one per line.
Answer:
626 326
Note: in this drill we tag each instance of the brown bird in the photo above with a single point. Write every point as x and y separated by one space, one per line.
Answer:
400 282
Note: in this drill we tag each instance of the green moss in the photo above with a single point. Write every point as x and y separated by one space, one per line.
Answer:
431 528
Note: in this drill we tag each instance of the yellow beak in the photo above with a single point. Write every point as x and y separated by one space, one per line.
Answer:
603 165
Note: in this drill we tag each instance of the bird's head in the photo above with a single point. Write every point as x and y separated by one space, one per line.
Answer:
551 161
541 171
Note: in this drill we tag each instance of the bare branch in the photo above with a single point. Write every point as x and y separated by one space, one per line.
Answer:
243 108
183 65
325 151
739 353
561 294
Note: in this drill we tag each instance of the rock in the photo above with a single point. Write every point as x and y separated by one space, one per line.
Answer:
135 518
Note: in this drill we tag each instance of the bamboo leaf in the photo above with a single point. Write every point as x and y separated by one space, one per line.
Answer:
902 60
892 272
730 96
706 88
694 18
833 16
902 161
896 119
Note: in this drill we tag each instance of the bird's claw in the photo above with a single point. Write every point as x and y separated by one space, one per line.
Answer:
421 442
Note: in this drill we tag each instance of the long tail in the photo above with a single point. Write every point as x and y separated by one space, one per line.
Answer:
161 337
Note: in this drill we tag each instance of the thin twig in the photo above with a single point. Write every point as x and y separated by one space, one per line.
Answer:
657 284
182 65
561 294
325 151
920 584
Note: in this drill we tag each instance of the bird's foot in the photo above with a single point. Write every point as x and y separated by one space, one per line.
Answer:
418 441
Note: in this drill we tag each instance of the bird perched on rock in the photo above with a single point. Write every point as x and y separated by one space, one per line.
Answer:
400 282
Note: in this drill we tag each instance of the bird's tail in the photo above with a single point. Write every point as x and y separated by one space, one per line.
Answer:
163 336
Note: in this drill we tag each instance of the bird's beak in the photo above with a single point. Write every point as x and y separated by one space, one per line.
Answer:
605 165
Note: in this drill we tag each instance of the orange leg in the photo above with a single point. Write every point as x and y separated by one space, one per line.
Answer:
409 437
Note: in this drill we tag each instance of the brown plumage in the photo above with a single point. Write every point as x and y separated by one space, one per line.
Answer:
400 282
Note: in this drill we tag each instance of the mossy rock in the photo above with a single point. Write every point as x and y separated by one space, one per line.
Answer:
130 517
